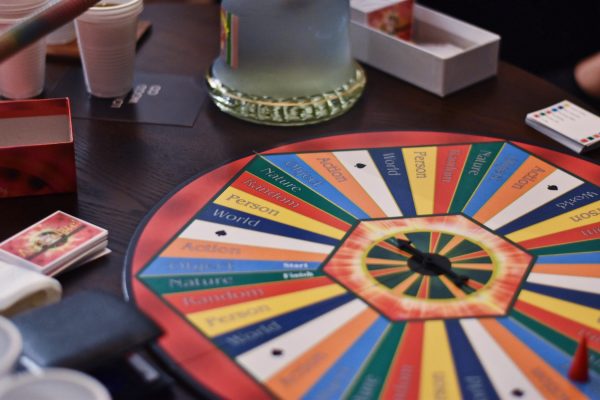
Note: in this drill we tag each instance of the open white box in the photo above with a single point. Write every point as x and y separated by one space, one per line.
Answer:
444 56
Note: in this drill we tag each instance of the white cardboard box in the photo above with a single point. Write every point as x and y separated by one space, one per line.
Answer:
444 56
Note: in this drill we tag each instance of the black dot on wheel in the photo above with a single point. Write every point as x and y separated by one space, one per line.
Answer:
277 352
517 392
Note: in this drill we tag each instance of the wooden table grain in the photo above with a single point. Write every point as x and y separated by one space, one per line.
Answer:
124 169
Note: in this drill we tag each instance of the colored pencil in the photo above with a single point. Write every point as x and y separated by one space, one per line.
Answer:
40 24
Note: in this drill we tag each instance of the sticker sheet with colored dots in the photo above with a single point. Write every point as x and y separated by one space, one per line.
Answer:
571 121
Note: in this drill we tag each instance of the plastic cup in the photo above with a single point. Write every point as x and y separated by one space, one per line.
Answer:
11 345
22 76
52 384
107 38
63 35
16 9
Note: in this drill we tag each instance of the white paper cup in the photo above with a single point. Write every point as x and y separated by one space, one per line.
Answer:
52 384
107 40
11 345
63 35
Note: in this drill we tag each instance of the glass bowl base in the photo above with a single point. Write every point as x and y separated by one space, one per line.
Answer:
292 111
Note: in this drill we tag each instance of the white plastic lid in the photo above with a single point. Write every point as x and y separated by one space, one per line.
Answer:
52 384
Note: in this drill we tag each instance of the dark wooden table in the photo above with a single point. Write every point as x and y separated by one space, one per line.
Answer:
124 169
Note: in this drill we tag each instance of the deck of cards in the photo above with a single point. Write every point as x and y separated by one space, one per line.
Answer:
568 124
55 244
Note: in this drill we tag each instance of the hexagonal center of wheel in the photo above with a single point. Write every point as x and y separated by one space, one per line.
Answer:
430 267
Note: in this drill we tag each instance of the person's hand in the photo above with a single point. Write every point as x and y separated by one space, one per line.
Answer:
587 75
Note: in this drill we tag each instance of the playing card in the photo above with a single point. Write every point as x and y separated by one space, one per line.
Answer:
53 242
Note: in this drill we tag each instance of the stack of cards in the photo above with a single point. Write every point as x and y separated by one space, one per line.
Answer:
393 17
54 244
568 124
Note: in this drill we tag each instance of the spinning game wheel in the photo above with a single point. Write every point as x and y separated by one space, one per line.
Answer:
390 264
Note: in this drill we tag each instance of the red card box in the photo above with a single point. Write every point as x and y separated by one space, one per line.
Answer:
37 155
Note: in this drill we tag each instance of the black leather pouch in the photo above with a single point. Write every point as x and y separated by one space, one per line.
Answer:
83 331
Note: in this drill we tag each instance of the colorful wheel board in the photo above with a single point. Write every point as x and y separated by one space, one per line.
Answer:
379 265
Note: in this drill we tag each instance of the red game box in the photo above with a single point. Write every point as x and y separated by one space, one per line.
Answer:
37 155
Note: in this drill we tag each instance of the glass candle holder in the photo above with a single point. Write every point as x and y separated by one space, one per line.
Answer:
285 62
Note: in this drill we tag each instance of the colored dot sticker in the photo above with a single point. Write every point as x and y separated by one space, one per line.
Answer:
590 137
548 111
597 135
554 109
583 140
542 113
560 107
536 116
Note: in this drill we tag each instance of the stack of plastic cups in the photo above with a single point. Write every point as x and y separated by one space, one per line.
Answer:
46 384
52 384
107 39
22 76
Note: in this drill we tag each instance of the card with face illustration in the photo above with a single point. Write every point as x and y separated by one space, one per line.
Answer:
53 242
